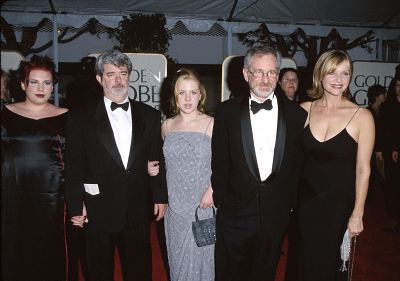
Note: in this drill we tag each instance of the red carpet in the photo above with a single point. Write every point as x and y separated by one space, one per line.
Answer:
159 273
377 256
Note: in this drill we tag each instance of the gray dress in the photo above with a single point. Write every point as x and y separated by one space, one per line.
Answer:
188 164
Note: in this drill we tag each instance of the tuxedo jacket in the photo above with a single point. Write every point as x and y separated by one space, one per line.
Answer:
235 176
126 195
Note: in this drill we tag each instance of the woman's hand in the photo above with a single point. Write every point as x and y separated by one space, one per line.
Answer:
153 168
79 221
207 199
355 226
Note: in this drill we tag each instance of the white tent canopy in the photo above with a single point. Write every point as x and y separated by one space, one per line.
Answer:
355 13
351 18
316 17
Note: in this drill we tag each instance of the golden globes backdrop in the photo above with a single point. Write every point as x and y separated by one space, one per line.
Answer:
366 74
10 60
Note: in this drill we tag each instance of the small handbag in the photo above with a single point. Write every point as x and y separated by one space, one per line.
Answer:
345 250
347 254
204 230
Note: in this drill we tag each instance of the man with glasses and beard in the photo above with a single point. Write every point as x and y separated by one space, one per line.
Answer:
256 158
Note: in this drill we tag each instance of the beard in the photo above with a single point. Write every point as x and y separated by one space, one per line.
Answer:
118 90
262 93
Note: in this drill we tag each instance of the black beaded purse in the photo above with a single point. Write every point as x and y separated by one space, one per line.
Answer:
204 230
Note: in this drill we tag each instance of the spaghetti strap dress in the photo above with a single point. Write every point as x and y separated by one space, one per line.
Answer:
32 200
188 165
326 200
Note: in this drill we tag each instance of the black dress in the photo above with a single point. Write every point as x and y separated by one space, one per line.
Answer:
32 198
326 200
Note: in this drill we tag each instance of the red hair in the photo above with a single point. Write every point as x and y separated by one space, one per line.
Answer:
36 63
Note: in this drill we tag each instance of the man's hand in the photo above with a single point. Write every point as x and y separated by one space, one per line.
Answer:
80 220
159 211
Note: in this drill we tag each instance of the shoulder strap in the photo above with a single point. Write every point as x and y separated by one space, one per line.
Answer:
309 113
208 125
352 116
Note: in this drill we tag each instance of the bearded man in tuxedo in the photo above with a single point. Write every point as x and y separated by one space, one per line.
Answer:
108 189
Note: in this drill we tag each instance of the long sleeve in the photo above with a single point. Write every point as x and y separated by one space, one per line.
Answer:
74 166
220 159
158 183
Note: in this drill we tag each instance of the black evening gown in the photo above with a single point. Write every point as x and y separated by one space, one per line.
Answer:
32 198
326 200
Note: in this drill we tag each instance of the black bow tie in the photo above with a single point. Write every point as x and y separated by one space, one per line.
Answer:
256 107
124 105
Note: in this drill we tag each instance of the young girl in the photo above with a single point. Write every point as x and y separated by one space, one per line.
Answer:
187 152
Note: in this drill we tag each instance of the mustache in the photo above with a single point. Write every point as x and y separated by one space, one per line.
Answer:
118 86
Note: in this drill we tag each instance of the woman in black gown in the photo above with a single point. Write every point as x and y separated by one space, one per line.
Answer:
32 180
338 140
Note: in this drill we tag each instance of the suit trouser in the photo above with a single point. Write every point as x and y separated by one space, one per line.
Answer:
134 249
241 252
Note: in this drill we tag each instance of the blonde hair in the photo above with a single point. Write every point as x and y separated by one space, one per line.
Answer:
187 74
326 64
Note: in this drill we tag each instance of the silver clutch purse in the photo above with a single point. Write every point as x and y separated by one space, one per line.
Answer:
347 254
345 250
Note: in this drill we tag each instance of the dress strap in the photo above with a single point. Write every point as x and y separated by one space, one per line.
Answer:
358 108
309 113
208 125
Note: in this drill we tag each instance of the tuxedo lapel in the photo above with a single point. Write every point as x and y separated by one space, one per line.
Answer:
247 138
280 139
105 132
137 133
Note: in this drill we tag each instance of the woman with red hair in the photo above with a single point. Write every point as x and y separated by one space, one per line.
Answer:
32 179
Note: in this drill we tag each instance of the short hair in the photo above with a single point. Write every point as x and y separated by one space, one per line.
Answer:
36 62
326 64
287 69
261 51
114 57
187 74
88 65
374 91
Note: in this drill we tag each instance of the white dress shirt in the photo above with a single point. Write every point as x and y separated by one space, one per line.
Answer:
121 124
264 126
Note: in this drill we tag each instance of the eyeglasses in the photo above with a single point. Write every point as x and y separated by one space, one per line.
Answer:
259 73
292 80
